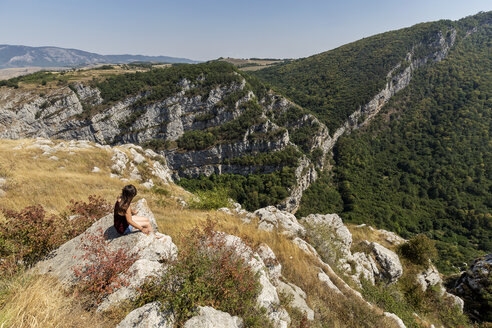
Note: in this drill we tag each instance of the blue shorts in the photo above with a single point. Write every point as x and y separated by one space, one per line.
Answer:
129 230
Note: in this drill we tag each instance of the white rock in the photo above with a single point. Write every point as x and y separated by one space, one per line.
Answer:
53 158
114 176
273 218
332 223
392 237
225 210
135 173
396 319
150 153
457 301
96 169
365 267
3 181
208 317
162 172
148 184
323 277
268 297
305 247
119 161
429 278
137 157
148 316
298 298
389 262
140 271
270 260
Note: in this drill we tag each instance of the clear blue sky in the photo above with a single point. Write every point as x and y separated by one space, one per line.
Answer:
207 29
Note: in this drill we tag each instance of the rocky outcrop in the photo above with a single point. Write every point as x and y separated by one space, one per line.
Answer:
268 296
429 278
208 317
473 286
389 262
298 298
152 253
396 319
271 218
148 316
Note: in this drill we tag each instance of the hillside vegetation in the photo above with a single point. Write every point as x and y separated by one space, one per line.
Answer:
425 164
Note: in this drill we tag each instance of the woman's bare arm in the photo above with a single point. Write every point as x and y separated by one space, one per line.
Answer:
128 216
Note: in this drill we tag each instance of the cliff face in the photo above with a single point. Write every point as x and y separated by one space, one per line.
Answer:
261 123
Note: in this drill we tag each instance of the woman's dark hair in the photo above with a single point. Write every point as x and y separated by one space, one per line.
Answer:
127 194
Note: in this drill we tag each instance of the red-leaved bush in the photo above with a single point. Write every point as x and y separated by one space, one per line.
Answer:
101 269
208 272
28 235
85 214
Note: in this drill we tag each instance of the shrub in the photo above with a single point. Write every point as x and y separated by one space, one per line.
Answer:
102 268
196 140
210 199
209 272
420 250
28 235
25 237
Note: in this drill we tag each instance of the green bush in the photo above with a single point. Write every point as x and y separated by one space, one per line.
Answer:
420 250
196 140
208 272
210 199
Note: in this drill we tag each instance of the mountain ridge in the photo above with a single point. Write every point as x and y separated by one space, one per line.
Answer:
13 56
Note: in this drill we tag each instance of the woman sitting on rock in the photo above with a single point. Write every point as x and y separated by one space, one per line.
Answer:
125 219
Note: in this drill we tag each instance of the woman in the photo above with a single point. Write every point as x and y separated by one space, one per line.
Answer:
125 220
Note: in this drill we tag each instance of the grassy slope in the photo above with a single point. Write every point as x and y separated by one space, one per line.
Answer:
41 181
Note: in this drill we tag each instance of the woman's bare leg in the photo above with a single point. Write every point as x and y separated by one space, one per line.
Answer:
142 221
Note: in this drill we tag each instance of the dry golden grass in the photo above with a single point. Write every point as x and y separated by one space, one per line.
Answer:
33 178
365 233
41 180
40 301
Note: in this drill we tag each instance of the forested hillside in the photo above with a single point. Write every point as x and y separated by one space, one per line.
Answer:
425 163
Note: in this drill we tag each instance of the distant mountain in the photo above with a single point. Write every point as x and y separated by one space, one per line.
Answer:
24 56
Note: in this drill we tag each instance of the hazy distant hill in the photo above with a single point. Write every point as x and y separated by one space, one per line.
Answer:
24 56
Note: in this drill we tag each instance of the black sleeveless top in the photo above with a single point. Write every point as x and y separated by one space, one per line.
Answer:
120 222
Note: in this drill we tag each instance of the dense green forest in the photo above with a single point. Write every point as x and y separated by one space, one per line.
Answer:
425 163
334 83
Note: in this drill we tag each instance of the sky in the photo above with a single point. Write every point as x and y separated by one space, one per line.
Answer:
208 29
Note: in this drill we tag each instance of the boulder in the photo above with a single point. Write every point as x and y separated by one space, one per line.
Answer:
208 317
270 260
148 316
268 297
119 161
298 297
389 262
331 233
364 267
137 157
428 278
323 277
272 218
477 276
152 253
396 319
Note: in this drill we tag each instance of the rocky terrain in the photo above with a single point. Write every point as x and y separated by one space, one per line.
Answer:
270 128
